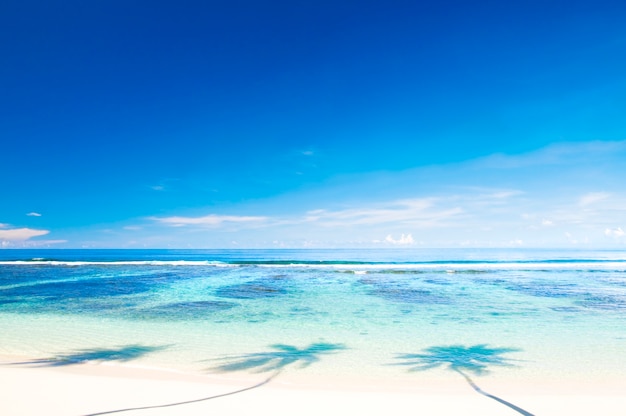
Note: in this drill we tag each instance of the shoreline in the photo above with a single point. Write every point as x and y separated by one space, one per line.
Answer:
88 388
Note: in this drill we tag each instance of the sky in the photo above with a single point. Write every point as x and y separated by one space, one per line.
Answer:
261 124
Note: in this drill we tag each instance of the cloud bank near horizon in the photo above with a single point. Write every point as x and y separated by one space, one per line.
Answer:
493 201
488 201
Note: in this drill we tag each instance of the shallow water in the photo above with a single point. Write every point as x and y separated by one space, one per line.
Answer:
350 313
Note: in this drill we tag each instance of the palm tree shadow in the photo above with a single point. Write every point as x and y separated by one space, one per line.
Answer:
274 361
475 359
277 360
122 354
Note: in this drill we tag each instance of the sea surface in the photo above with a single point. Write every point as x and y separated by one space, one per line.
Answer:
369 315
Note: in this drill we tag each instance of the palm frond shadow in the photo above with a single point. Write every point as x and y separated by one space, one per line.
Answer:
122 354
275 361
474 359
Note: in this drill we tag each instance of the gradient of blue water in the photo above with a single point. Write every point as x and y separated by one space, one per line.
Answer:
564 310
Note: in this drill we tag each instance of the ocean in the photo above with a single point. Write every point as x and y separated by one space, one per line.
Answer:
366 315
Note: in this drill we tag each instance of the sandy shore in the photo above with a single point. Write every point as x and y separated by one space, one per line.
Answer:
88 389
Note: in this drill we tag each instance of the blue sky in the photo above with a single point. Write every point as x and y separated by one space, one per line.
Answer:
219 124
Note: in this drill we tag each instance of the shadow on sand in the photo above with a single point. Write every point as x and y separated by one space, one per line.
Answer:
121 354
275 361
475 359
281 357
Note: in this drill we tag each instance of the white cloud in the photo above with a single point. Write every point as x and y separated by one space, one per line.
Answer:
38 243
614 232
21 234
158 188
34 214
403 240
132 228
592 198
556 154
480 201
4 225
207 220
29 243
504 194
418 212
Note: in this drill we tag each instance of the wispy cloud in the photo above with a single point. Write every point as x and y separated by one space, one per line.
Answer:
592 198
532 199
556 154
418 212
207 220
33 214
614 232
164 184
364 220
597 210
21 234
30 243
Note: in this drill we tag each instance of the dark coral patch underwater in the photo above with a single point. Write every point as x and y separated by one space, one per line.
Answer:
256 289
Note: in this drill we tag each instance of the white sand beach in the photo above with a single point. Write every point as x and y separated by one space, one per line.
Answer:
87 389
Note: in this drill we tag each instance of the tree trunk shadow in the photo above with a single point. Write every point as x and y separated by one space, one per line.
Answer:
129 409
276 360
491 396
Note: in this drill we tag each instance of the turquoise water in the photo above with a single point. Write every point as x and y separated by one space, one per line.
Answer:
558 313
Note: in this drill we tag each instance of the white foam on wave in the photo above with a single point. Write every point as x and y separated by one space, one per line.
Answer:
448 267
453 267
